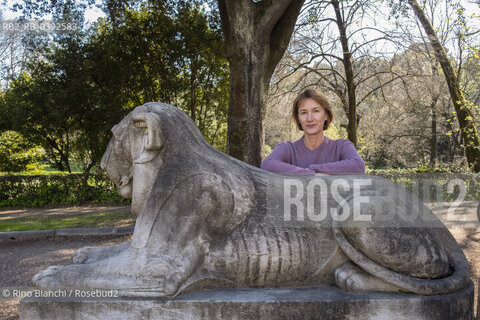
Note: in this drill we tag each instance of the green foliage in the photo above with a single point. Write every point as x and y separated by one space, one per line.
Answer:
398 8
59 9
267 149
41 190
434 186
80 85
16 153
205 73
32 107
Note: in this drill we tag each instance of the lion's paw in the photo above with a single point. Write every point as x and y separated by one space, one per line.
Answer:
129 273
47 272
88 255
81 255
47 278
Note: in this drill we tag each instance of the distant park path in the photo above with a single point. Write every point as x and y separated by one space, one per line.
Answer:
62 211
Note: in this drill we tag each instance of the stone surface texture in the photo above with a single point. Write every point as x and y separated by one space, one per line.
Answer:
326 303
206 220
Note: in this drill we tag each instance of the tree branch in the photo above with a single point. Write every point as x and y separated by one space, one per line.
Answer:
282 32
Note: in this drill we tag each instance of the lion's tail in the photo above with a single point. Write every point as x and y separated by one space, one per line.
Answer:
456 281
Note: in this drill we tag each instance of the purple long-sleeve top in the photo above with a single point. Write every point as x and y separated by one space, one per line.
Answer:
331 157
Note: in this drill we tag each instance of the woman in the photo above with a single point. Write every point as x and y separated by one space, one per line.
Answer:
314 153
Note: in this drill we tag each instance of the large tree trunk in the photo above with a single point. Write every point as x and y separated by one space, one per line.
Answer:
256 37
349 76
464 115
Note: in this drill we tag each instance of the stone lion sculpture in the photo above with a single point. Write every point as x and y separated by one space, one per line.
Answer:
206 220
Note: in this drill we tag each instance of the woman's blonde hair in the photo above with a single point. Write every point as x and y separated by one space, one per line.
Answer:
319 98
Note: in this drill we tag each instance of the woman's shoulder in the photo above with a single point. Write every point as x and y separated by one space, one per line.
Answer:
287 148
338 142
339 145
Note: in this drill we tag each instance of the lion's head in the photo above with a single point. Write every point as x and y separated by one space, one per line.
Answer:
131 160
151 136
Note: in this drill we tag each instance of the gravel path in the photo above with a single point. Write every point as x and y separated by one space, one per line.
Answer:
21 260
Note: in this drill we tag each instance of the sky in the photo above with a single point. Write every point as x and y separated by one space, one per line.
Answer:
91 14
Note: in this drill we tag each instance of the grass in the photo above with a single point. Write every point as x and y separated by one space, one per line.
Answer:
42 168
92 220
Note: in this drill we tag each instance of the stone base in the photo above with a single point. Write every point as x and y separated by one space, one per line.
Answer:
285 303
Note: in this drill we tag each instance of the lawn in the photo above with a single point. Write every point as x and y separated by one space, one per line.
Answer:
91 220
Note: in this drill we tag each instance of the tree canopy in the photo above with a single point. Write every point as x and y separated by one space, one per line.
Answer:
235 67
77 86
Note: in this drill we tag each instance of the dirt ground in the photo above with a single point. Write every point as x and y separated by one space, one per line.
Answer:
21 260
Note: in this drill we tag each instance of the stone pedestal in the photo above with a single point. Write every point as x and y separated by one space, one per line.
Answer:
286 303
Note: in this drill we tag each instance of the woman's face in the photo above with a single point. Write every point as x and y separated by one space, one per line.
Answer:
312 117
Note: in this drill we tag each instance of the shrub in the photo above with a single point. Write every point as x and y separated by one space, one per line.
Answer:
16 153
41 190
435 186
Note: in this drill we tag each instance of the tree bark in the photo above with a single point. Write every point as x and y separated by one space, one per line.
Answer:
349 75
433 139
434 135
256 37
464 115
193 92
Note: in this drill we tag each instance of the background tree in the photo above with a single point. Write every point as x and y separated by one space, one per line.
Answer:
338 46
396 76
204 72
80 85
399 129
30 108
67 91
464 115
256 36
